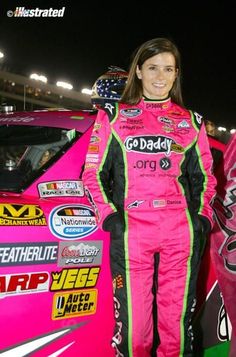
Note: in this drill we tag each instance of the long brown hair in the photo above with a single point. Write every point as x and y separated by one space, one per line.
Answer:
133 91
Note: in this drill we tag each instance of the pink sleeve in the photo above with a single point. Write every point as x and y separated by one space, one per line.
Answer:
209 180
97 168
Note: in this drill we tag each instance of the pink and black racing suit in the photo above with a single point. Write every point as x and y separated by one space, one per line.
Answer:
148 176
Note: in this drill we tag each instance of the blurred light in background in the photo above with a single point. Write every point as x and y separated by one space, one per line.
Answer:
221 128
64 85
86 91
38 77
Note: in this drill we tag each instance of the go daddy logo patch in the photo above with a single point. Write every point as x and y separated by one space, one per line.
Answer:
72 222
152 144
149 144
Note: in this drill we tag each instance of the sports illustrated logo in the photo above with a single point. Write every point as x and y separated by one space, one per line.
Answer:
23 12
150 144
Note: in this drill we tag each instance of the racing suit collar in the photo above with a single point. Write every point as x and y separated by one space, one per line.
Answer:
155 105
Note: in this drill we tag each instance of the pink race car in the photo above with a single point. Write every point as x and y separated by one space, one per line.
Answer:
55 283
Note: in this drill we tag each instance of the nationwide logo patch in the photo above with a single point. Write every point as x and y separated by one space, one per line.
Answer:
72 221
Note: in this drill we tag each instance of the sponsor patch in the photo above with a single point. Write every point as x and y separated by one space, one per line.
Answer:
130 127
165 163
21 215
92 158
24 283
167 128
165 120
94 139
89 165
183 125
93 148
72 221
177 148
83 253
28 253
75 278
97 126
150 105
150 144
131 112
74 304
61 188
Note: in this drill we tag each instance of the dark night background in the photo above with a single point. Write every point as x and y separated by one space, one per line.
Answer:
80 46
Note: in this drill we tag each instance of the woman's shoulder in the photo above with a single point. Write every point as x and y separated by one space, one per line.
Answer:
180 111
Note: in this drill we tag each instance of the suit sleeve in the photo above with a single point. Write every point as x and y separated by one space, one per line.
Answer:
97 170
203 182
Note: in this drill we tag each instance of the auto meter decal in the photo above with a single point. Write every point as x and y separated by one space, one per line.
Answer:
74 303
72 221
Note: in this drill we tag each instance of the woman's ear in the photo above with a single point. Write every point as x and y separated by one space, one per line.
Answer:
138 72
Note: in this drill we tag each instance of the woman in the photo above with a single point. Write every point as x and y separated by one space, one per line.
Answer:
150 182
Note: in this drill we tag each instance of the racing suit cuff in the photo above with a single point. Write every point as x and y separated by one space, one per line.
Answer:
111 220
206 224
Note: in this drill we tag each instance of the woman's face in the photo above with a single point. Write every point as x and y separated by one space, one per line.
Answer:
158 74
